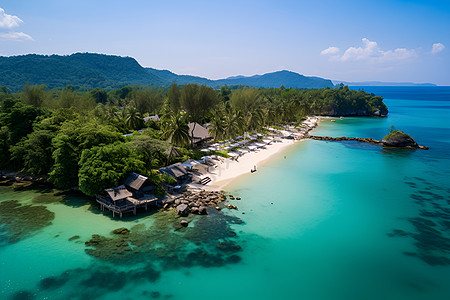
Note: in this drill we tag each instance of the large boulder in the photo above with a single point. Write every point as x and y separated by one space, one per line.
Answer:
182 210
397 138
202 210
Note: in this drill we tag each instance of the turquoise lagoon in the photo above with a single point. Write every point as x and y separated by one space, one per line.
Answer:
332 220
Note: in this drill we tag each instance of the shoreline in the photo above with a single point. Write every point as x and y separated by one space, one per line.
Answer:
231 170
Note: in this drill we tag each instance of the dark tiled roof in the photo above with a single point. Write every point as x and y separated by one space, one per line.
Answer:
135 181
118 193
176 170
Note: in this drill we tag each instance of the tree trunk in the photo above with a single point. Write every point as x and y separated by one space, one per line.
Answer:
192 135
170 154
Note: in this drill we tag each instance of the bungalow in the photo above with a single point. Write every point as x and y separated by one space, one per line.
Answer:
176 171
136 192
198 134
139 185
119 193
116 200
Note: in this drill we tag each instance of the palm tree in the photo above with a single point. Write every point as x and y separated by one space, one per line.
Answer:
233 122
176 130
218 124
134 120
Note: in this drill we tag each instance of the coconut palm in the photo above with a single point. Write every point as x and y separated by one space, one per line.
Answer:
133 120
233 122
175 130
217 128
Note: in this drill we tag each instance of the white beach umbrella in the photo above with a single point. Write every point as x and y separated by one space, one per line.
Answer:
233 154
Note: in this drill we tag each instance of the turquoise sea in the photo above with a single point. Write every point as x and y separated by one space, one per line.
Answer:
332 220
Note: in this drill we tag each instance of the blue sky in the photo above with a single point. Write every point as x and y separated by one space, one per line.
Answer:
345 40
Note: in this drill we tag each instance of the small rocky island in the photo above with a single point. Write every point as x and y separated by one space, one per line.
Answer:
397 138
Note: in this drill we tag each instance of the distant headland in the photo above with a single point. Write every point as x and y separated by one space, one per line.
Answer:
381 83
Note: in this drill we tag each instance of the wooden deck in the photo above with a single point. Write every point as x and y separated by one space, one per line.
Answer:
128 205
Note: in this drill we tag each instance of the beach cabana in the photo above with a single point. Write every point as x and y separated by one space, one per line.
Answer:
233 154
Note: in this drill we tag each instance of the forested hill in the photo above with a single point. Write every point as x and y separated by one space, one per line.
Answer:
80 69
92 70
276 79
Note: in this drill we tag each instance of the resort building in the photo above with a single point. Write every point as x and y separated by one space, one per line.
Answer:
154 118
176 171
136 192
198 134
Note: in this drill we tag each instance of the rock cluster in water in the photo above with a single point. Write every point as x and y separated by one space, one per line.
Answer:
195 202
431 228
166 241
20 221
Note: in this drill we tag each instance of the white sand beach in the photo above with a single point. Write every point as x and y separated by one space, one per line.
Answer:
228 170
231 169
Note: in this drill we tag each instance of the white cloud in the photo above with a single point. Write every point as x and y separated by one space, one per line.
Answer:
15 36
370 51
330 50
8 21
436 48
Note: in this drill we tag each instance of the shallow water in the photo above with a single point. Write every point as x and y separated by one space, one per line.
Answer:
334 220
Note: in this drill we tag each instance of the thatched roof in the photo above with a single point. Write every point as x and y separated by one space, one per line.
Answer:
119 193
200 132
135 181
175 171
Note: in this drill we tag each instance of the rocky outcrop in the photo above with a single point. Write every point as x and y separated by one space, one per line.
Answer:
397 138
194 202
381 111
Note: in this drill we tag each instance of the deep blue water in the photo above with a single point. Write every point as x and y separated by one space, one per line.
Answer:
334 220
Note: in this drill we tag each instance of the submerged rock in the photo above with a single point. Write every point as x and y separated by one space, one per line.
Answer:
75 237
20 221
121 230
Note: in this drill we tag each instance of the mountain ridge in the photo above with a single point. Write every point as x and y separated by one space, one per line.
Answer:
93 70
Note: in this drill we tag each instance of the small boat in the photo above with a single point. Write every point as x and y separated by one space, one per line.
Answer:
333 120
342 118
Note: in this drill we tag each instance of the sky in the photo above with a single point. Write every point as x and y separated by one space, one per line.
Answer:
364 40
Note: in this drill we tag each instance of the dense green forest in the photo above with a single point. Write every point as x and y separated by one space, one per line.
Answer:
89 139
93 70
